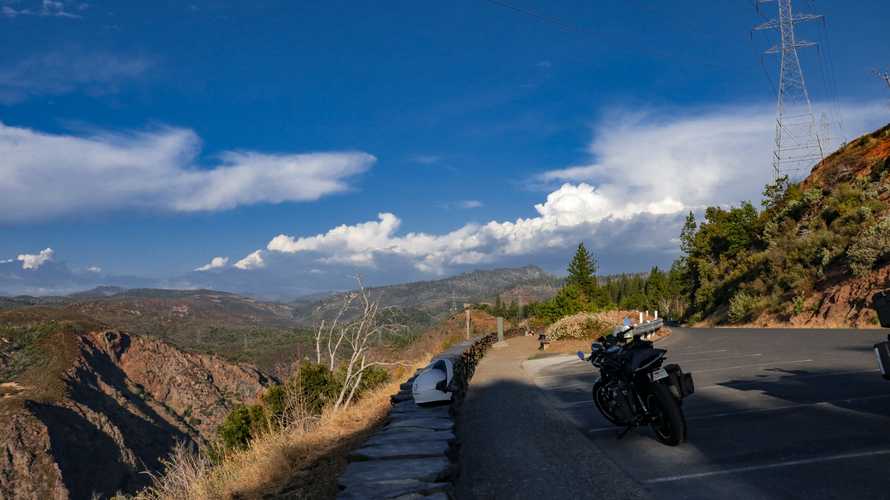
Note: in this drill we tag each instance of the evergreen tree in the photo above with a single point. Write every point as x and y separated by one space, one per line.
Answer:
582 270
656 288
687 234
513 310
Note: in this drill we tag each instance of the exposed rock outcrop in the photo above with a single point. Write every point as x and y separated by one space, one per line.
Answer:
126 402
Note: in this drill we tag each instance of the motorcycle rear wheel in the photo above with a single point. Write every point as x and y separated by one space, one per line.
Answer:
668 422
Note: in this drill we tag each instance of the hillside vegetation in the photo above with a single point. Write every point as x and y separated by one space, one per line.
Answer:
68 383
813 253
272 334
423 303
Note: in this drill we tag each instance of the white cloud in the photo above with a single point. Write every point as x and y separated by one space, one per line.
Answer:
567 212
426 159
94 269
45 8
647 171
251 261
47 175
659 161
215 263
34 261
7 261
470 204
65 70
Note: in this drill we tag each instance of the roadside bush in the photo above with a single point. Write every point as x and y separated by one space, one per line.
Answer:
275 402
578 326
373 377
872 245
318 387
742 307
237 429
313 388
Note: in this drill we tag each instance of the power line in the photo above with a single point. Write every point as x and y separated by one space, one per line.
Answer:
555 21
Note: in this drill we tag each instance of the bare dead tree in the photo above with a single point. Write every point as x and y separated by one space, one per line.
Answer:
371 324
349 343
327 331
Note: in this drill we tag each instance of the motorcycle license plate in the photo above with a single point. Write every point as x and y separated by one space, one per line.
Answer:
658 374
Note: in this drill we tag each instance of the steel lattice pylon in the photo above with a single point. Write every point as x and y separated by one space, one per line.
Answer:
799 143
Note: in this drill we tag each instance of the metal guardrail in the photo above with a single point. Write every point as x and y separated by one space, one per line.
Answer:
648 327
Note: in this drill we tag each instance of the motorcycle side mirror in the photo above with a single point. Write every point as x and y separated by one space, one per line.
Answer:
581 356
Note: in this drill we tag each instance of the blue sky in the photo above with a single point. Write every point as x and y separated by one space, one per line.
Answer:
147 139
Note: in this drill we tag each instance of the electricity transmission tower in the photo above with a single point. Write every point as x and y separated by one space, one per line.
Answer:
454 298
884 76
799 143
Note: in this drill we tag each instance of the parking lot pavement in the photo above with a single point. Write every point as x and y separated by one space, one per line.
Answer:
776 414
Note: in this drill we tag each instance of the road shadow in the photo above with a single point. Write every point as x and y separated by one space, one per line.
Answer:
773 416
514 444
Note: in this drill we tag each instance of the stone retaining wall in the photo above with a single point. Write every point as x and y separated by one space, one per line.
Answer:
412 455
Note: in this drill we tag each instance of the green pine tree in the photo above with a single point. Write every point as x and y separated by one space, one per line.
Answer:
582 271
687 234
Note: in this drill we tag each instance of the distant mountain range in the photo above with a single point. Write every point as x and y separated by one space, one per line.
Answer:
267 332
429 300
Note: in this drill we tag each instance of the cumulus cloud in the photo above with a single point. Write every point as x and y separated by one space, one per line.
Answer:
570 213
66 70
215 263
44 8
252 261
94 269
34 261
665 161
646 171
47 175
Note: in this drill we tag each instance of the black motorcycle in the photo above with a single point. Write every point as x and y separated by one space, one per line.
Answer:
882 349
634 388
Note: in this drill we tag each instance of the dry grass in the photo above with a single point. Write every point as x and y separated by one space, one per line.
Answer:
304 457
284 463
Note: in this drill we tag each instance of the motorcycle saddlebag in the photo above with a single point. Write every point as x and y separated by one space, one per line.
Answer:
883 352
682 385
882 306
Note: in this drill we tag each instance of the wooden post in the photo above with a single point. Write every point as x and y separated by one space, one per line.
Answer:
467 309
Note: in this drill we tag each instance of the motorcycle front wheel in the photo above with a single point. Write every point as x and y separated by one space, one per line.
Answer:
668 422
599 399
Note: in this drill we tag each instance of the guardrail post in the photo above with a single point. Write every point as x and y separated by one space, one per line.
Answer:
467 309
501 342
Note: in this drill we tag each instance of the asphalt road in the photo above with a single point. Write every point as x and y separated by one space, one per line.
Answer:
776 414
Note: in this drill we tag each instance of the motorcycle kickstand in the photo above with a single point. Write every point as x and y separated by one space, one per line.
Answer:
625 431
